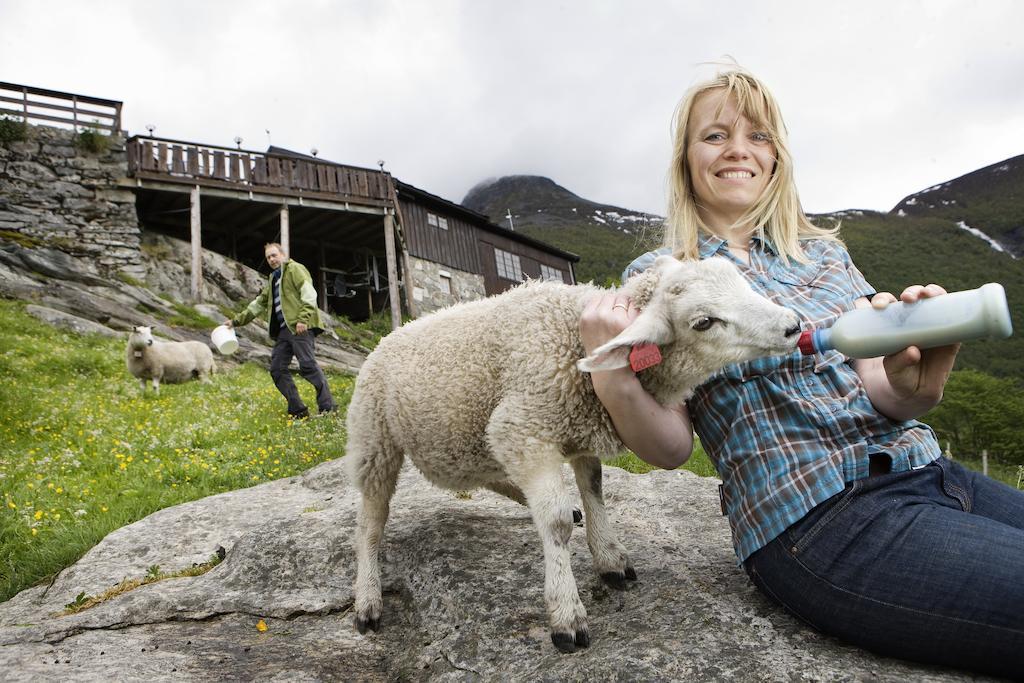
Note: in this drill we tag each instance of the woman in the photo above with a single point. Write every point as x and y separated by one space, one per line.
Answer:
840 504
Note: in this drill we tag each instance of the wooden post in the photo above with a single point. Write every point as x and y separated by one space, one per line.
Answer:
323 278
371 261
984 462
285 238
393 290
392 193
197 245
409 301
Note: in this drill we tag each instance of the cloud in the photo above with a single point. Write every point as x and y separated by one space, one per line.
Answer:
882 99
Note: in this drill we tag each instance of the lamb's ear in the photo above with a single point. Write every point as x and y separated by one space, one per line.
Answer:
650 327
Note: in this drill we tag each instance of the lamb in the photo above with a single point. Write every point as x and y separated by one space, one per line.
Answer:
493 394
166 361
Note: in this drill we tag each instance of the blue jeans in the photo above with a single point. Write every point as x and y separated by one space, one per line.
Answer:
926 565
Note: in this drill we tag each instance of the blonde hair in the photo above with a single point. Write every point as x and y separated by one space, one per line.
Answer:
777 214
276 245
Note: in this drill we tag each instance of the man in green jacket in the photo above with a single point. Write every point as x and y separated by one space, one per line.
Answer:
290 301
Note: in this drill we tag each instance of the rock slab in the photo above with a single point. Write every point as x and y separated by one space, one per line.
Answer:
463 596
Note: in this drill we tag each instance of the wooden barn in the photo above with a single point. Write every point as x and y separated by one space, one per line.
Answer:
358 230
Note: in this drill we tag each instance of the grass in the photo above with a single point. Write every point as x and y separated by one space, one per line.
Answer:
188 316
699 463
12 130
1004 472
365 334
92 140
82 453
21 239
83 601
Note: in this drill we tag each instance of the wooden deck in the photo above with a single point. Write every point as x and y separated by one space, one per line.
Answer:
190 163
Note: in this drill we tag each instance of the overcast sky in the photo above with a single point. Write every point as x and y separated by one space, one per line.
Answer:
882 97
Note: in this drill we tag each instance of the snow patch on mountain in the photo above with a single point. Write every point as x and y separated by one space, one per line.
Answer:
978 233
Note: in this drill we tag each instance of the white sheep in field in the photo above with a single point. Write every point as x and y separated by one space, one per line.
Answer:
493 394
166 361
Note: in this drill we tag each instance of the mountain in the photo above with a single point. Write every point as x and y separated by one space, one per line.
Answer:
961 234
990 200
606 237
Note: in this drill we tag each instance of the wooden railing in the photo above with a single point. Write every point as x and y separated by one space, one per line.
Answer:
185 161
52 106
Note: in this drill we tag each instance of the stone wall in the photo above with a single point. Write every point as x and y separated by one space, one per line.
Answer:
427 282
53 191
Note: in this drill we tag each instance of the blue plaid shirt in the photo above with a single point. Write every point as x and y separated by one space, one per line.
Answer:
788 432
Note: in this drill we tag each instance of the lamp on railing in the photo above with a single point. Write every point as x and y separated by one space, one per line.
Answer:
238 141
380 162
314 151
150 127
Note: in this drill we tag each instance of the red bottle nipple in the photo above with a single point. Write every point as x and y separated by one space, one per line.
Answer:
806 343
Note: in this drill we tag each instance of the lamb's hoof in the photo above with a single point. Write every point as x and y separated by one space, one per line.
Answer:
364 625
582 638
564 642
577 516
630 574
568 642
616 580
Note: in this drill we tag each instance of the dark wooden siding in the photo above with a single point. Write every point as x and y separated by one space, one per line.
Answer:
530 259
470 248
455 247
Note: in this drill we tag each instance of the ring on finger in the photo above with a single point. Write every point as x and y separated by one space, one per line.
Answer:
622 306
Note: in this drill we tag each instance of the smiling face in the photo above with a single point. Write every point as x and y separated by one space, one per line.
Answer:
730 160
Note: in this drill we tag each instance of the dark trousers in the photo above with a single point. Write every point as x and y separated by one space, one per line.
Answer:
925 565
303 347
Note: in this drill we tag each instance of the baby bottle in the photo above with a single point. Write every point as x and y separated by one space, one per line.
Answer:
935 321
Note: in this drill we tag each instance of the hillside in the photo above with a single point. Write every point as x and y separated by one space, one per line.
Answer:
990 199
606 237
895 251
922 240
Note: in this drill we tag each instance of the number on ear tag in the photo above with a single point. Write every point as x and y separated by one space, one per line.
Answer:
643 356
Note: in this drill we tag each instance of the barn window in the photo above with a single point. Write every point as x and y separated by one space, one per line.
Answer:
509 266
549 273
446 282
437 221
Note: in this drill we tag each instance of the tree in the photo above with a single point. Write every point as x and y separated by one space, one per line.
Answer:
980 412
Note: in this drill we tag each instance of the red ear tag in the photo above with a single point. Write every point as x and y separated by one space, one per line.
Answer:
643 356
